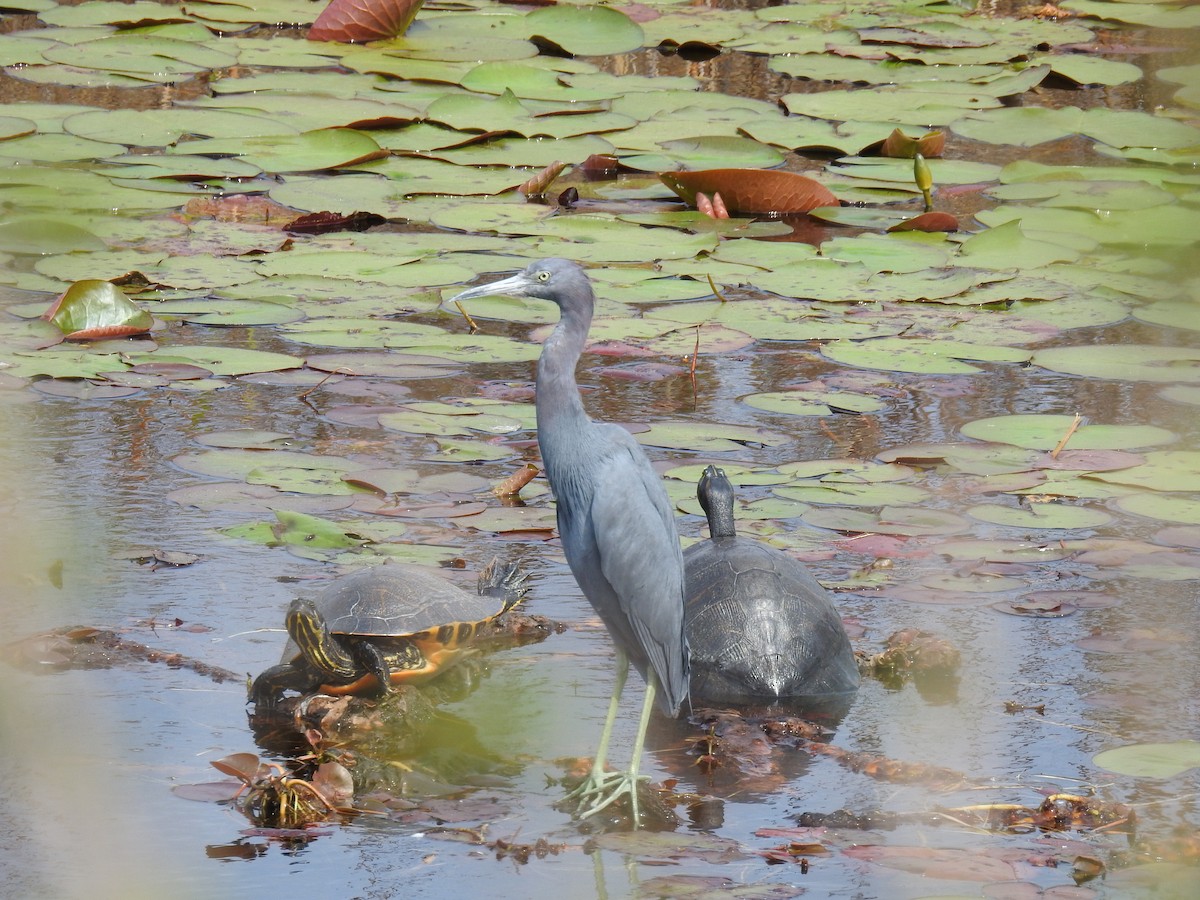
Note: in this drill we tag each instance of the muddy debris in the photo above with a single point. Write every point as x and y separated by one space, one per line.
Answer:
87 647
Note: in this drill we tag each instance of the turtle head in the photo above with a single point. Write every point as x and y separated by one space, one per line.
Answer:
320 649
715 493
305 624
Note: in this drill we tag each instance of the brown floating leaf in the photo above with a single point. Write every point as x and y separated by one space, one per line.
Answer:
600 167
364 20
326 222
752 190
243 766
930 221
899 145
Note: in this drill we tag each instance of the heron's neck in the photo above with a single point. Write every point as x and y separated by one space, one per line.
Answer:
563 424
557 390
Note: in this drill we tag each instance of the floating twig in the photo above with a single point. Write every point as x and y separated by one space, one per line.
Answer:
1071 429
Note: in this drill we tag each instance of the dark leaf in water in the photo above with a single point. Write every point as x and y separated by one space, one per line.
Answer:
752 190
364 20
1047 608
600 167
712 887
930 221
933 862
669 845
568 198
328 222
243 766
172 371
469 809
208 792
334 783
81 389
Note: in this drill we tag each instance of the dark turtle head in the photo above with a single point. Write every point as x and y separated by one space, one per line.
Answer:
715 493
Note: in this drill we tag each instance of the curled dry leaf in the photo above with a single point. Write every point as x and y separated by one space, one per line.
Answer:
512 485
353 21
899 145
542 180
752 190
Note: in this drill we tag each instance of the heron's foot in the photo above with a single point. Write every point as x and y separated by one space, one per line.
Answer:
601 790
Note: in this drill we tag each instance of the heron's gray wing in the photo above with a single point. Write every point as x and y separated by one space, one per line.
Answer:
638 544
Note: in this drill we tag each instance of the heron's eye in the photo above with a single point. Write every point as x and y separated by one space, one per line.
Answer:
543 275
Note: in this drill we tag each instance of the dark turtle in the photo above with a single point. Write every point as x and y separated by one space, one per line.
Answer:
759 625
382 626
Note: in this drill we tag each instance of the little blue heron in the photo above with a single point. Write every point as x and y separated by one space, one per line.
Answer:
615 521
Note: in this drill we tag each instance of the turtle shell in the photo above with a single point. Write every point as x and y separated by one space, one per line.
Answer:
759 625
397 600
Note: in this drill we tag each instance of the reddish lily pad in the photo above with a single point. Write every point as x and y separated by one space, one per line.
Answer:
364 20
752 190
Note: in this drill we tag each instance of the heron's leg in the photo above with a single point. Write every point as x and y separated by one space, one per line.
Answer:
619 783
598 779
638 743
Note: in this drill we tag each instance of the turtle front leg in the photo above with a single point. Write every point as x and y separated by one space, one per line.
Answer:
371 658
269 686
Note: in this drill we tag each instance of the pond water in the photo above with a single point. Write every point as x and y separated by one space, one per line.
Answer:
94 753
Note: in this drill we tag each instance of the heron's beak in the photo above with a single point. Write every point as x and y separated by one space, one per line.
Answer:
516 286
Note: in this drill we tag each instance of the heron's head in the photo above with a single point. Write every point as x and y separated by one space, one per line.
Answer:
560 281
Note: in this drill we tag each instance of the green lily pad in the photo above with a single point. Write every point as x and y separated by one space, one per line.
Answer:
850 494
891 520
928 356
1043 432
813 403
708 436
237 463
1165 760
1041 515
1124 362
327 148
1163 470
97 309
1162 507
585 30
222 360
43 236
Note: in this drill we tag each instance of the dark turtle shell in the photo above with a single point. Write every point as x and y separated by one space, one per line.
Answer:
759 625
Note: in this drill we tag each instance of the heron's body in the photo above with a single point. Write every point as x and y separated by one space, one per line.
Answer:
615 521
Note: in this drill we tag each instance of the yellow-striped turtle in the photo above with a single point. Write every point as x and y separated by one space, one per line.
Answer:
759 625
383 626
